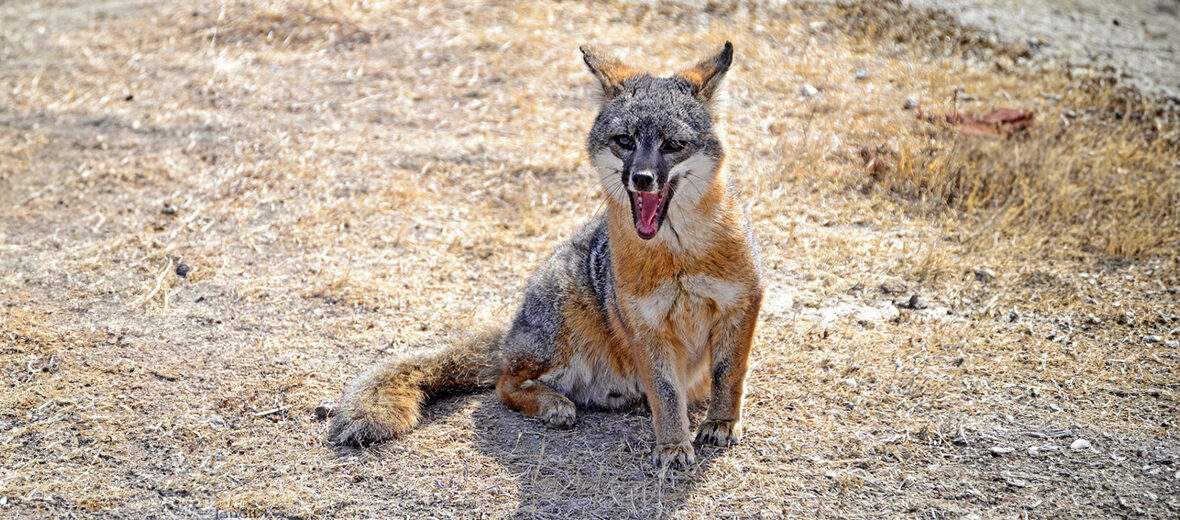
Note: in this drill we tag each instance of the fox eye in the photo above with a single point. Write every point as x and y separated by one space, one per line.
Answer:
671 146
625 142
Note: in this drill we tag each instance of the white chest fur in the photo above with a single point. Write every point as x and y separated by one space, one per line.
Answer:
690 303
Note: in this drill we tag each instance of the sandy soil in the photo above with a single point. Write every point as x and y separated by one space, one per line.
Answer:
343 180
1139 38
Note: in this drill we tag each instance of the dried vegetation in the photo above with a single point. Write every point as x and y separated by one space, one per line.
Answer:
346 179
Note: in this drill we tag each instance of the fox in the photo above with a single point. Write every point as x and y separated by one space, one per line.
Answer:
654 300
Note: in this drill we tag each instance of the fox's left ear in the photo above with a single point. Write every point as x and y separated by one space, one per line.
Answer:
705 77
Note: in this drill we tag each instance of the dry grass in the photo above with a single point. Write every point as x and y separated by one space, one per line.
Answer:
346 179
1082 180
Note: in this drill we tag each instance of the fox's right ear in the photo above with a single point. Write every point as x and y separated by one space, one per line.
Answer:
609 70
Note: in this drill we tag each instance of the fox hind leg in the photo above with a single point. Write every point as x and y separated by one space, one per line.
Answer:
519 390
531 351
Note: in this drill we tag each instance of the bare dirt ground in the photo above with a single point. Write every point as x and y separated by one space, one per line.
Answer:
1140 39
956 326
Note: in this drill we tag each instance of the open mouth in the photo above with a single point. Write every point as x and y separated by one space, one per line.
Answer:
648 210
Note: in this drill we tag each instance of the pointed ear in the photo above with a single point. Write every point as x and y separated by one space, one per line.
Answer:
705 77
608 69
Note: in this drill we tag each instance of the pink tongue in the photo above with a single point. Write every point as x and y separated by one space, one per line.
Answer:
649 204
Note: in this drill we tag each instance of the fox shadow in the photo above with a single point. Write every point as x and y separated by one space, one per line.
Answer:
599 468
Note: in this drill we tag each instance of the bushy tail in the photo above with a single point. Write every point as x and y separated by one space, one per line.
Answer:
387 401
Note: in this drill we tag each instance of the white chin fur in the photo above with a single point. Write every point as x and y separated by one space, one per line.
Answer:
610 170
695 175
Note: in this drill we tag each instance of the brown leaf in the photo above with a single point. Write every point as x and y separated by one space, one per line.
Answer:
1002 121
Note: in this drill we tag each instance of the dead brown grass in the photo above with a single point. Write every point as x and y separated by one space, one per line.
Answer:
1081 180
355 178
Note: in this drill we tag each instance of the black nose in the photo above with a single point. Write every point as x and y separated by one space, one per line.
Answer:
642 180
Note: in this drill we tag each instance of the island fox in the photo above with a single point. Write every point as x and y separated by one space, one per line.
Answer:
657 297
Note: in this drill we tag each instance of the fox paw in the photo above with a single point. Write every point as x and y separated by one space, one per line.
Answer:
674 455
557 411
719 432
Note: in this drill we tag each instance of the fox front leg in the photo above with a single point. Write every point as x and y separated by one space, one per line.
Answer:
663 384
730 359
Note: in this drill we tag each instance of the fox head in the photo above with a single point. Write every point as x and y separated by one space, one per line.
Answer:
653 142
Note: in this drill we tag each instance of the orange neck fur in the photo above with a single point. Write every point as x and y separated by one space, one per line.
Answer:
717 245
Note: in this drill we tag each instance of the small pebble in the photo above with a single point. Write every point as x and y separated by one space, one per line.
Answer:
862 74
182 270
1080 444
893 286
807 90
984 274
915 302
168 209
1152 339
910 103
1172 343
1000 450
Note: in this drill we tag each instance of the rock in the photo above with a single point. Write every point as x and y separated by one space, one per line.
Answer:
807 90
1001 450
1080 444
1016 482
876 313
1042 450
168 209
778 300
182 270
984 274
910 104
893 286
324 411
218 422
1172 343
916 302
861 74
1013 315
1152 339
